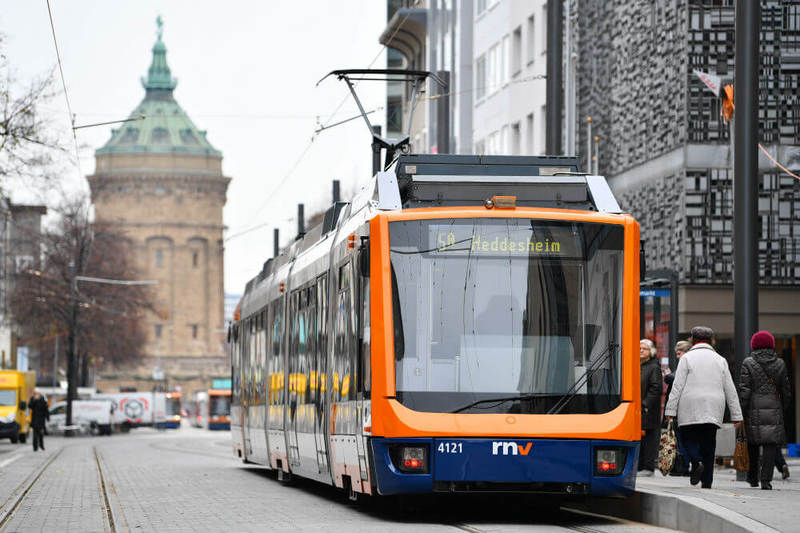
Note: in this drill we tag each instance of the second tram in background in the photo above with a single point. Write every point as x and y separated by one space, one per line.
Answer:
210 409
465 324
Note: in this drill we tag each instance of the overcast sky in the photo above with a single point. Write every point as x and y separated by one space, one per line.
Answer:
246 73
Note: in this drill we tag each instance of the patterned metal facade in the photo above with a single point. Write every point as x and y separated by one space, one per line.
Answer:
662 141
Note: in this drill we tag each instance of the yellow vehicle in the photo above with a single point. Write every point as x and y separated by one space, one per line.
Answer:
15 389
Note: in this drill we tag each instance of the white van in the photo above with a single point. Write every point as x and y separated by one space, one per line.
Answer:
89 416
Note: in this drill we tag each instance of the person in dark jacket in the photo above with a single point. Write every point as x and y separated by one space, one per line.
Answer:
39 413
765 395
651 406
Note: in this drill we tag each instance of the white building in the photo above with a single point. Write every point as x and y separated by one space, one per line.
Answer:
495 54
510 62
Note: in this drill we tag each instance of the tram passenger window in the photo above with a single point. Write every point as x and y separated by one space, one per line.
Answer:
365 373
276 392
322 340
344 386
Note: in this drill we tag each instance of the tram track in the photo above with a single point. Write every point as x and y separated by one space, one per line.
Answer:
18 496
105 500
10 507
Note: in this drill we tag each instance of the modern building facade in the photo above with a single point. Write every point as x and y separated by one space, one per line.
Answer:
160 180
510 58
494 54
668 155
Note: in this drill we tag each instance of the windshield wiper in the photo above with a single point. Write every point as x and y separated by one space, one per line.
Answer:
581 381
497 401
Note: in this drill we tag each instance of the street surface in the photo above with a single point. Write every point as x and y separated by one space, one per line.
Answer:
188 480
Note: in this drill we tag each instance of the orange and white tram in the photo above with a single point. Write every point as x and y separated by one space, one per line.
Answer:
466 323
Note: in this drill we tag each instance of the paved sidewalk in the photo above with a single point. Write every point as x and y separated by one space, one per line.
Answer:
778 509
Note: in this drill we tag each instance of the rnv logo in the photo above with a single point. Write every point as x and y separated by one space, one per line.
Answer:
510 448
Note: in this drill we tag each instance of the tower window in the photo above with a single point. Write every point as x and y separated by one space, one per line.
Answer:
195 259
159 258
158 331
160 135
194 331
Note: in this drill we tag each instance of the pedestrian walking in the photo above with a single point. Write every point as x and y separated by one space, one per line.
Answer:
651 406
780 463
702 387
681 467
765 395
39 413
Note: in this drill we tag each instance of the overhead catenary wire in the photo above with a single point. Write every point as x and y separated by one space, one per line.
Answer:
777 164
64 85
271 196
322 128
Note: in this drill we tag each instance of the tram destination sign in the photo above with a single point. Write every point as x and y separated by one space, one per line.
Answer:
500 239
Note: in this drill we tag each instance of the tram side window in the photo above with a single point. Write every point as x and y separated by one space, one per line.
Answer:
311 346
235 365
276 380
262 358
321 363
252 362
297 345
365 373
344 386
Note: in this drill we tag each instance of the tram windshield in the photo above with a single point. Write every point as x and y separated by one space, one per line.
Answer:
173 406
219 406
507 315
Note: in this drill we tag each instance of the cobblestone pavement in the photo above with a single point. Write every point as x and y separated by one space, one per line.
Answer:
188 480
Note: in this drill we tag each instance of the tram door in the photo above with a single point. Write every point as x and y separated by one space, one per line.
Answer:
320 375
364 375
297 326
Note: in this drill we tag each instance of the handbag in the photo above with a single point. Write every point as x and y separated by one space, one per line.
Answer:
741 457
667 449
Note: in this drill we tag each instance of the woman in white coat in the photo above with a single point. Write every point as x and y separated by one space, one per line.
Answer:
702 387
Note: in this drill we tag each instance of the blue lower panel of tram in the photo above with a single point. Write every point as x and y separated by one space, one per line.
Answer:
569 467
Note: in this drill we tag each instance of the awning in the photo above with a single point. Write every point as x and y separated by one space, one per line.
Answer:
406 31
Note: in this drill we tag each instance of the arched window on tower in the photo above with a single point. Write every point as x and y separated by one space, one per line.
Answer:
195 258
159 257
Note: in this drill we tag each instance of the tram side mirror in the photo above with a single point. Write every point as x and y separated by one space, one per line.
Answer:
642 262
363 259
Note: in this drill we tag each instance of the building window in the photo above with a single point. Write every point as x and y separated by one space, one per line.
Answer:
529 128
516 139
195 258
159 258
158 331
544 29
194 331
160 135
23 262
543 130
480 77
505 58
531 39
516 52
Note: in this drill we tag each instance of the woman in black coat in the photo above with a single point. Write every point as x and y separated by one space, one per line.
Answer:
652 386
765 395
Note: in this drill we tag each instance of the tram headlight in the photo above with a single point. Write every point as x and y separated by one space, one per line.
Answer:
609 461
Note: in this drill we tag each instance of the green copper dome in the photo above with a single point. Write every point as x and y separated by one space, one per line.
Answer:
166 126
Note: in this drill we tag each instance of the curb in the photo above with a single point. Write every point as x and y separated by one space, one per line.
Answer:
682 513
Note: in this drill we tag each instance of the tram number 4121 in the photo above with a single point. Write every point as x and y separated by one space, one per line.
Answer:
450 447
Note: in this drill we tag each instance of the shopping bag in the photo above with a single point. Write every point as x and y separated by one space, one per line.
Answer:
667 449
741 457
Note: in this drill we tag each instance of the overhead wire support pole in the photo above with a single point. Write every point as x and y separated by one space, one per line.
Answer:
745 179
554 94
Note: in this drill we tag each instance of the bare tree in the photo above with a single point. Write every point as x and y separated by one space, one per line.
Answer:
81 288
28 143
